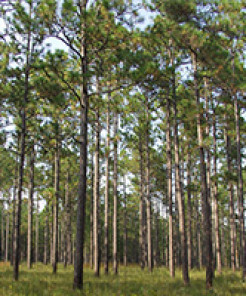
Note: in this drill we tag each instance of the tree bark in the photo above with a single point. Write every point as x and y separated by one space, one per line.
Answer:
91 210
115 193
2 234
106 208
55 208
79 259
7 237
148 198
96 198
231 202
169 188
205 197
16 244
46 235
141 208
14 200
37 235
189 211
240 188
30 208
180 198
215 193
125 225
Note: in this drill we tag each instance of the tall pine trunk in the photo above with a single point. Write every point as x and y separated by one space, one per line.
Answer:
231 201
80 223
7 237
215 193
55 208
180 198
125 224
148 198
96 198
115 193
37 234
106 204
141 208
240 187
30 208
16 244
169 188
205 198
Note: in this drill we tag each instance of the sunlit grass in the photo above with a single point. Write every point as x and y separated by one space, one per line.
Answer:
131 281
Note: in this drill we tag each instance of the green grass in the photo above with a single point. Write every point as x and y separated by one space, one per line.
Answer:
131 281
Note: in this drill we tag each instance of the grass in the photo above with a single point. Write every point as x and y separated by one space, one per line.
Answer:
131 281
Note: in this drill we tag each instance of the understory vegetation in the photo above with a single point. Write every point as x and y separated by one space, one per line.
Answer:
39 281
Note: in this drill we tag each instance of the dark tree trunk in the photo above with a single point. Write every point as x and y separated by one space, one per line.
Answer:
7 237
169 188
189 211
180 198
79 259
216 203
240 188
115 192
14 201
30 208
55 208
96 199
231 194
91 209
141 209
148 198
2 234
106 209
125 226
37 234
16 244
204 186
46 236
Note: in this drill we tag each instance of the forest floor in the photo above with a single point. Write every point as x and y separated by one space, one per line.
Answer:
131 281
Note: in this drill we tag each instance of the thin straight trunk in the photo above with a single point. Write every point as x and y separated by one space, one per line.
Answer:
2 235
68 236
46 235
30 208
205 196
55 208
240 188
67 214
96 198
51 235
169 188
180 198
223 249
37 235
106 209
215 193
141 208
7 238
125 226
14 200
115 192
148 198
91 211
189 211
230 188
16 245
198 232
207 155
78 266
157 232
